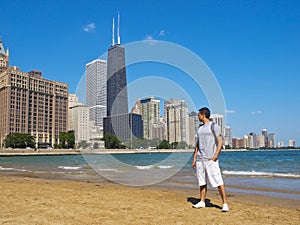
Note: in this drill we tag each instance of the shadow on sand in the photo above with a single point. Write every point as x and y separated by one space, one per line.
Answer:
207 202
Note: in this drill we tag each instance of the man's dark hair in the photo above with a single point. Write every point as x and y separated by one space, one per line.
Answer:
205 111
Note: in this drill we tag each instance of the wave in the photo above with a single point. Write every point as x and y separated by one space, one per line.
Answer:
153 167
113 170
260 174
165 167
69 167
13 169
144 167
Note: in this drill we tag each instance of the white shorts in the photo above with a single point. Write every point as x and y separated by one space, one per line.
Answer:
209 171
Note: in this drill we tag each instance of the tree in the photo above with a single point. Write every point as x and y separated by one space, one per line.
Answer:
18 140
191 147
227 147
174 145
182 145
96 145
137 143
83 144
67 139
164 144
112 142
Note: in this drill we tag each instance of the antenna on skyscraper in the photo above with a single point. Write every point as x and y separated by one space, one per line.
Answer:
113 32
119 39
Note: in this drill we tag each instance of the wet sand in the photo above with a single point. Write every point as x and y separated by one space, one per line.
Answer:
27 200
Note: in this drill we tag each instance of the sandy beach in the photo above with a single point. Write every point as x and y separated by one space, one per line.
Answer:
27 200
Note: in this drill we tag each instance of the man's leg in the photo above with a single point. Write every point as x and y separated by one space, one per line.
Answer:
223 193
202 183
203 191
224 198
201 204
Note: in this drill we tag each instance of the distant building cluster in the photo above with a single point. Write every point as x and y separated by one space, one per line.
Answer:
258 141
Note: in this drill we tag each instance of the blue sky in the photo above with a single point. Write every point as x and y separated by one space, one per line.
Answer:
252 47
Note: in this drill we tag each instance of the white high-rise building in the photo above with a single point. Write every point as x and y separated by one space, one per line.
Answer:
218 119
292 143
149 109
96 78
272 140
260 141
255 140
177 121
159 129
81 124
194 125
72 101
227 136
264 132
280 144
249 141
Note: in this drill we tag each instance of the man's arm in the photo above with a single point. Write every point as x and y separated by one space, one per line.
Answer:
195 157
219 148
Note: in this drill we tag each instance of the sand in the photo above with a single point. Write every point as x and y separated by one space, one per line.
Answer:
40 201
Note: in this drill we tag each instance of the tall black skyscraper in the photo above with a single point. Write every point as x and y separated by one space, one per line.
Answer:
117 98
118 121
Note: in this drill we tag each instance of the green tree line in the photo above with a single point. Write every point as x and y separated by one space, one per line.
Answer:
113 142
20 140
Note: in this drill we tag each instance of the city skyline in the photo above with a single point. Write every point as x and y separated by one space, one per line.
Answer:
252 48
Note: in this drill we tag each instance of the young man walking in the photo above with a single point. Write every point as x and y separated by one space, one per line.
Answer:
205 161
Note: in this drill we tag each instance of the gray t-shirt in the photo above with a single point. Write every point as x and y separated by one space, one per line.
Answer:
206 141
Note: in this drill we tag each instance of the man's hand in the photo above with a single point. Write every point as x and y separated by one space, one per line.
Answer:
194 164
215 158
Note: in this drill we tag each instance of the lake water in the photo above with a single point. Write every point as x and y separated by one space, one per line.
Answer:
270 173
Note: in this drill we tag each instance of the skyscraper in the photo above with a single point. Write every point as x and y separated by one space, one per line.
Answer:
292 143
149 109
271 140
79 122
118 121
264 133
255 141
117 98
72 101
177 120
159 129
96 73
227 136
218 119
194 125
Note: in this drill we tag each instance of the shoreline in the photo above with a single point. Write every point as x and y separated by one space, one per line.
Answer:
26 152
30 152
27 200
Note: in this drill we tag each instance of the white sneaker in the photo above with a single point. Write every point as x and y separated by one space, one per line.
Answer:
225 208
199 205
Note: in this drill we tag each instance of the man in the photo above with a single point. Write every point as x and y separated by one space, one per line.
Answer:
205 161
